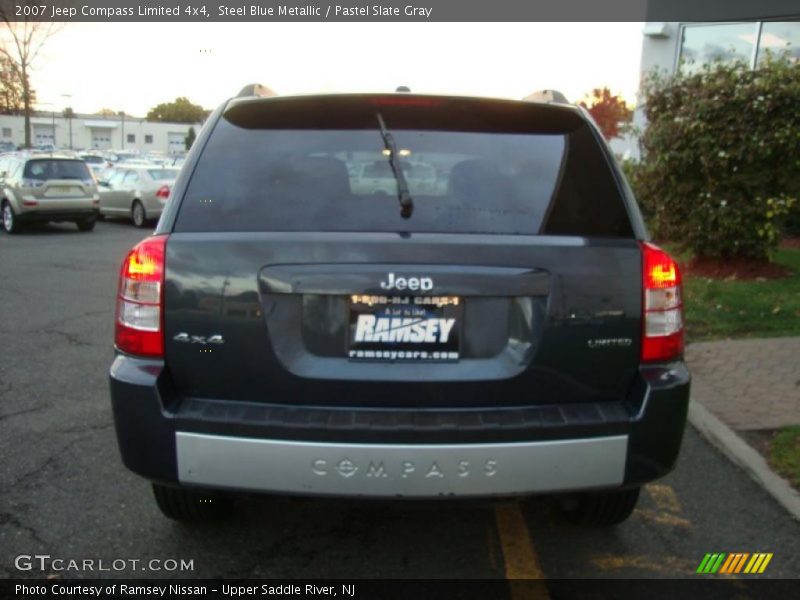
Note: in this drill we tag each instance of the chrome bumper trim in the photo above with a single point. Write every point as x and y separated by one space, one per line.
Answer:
380 470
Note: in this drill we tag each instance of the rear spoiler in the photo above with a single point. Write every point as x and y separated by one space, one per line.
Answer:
256 90
547 96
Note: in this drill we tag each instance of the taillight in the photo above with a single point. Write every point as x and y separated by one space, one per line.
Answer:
662 337
163 192
139 324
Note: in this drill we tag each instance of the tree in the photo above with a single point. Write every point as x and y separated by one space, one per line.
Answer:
190 138
106 112
24 40
609 111
10 90
179 111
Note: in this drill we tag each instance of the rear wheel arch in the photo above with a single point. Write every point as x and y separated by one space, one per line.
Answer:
12 201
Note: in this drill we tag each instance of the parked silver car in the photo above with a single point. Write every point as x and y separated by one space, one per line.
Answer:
46 188
138 192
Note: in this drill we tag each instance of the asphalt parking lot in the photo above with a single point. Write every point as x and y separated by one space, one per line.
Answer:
64 492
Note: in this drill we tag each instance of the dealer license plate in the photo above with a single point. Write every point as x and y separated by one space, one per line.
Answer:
404 328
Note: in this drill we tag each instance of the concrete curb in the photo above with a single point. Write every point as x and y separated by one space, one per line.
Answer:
738 451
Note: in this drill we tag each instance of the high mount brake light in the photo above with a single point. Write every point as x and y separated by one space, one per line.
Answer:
139 327
405 101
663 331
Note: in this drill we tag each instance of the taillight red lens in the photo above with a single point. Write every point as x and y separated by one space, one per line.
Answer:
139 328
163 192
662 335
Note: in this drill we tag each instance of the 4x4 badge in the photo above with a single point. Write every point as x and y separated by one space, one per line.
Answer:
199 339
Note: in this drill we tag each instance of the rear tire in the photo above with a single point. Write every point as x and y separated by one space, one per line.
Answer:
601 509
190 506
9 218
138 215
85 224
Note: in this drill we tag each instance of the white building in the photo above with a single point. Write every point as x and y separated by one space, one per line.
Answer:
94 131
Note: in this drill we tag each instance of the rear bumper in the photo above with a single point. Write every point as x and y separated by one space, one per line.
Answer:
308 451
416 470
40 215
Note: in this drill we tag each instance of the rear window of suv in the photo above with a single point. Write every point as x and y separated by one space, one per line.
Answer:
46 169
471 167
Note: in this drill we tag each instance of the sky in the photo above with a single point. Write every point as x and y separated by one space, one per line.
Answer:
134 66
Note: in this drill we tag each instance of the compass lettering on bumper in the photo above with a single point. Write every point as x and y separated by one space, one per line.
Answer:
378 469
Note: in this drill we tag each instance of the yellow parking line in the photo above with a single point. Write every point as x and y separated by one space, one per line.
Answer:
663 518
668 565
519 555
521 561
664 496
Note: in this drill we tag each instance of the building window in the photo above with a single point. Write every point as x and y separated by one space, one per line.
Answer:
6 131
131 138
731 42
148 139
725 43
779 39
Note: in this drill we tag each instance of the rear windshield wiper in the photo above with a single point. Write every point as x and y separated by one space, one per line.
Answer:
406 203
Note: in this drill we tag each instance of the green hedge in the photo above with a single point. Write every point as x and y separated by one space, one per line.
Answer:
720 170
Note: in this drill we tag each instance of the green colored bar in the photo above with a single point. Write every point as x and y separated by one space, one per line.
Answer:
702 567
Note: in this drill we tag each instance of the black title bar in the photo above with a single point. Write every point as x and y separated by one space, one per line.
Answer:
370 589
397 10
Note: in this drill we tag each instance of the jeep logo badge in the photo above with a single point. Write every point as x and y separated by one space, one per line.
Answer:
407 283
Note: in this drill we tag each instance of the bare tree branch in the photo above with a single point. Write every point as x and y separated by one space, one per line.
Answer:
28 37
49 31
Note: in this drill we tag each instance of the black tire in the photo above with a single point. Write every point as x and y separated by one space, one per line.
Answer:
85 224
190 506
9 218
601 509
138 214
100 216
